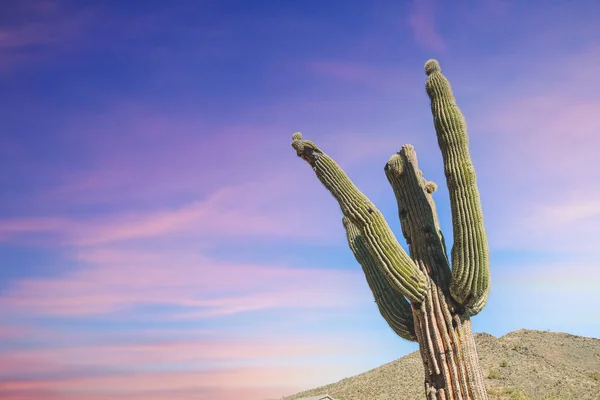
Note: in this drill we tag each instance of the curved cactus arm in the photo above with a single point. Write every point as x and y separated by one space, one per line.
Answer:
476 307
394 308
393 262
470 281
418 214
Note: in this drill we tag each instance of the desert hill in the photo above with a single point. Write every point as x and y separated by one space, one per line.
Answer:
521 365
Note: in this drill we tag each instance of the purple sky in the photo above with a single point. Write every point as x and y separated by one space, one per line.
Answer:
160 239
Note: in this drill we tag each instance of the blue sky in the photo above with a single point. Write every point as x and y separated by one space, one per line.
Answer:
158 234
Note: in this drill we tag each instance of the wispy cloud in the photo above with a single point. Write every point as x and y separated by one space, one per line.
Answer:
159 178
546 172
133 153
570 226
200 287
276 208
183 367
221 215
167 353
8 332
137 385
384 79
17 226
423 24
118 284
565 124
38 31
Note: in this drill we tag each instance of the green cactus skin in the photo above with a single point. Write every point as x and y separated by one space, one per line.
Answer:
442 299
394 308
434 318
470 282
386 252
418 215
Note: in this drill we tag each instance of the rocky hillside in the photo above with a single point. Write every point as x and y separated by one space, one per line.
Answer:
522 365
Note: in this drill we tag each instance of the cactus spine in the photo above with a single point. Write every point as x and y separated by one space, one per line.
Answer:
420 296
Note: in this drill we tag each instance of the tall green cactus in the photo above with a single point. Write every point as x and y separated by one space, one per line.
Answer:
420 296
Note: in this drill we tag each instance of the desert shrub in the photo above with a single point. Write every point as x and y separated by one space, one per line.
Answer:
494 374
519 395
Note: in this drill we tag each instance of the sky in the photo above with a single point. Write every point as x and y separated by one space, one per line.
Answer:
160 239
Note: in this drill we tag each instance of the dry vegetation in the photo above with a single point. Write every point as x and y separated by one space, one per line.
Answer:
522 365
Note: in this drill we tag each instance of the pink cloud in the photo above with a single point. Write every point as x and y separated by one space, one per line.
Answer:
180 166
12 227
568 226
115 280
183 199
368 75
277 207
263 211
422 23
128 355
566 125
220 383
539 139
136 154
36 8
267 393
149 157
41 26
204 287
138 385
12 332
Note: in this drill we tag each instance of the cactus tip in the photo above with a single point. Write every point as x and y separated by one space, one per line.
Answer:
393 158
395 164
430 187
297 143
432 66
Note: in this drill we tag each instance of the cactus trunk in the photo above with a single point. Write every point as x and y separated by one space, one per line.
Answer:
451 364
442 327
419 295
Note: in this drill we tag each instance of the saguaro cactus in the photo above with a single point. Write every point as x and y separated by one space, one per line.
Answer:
419 296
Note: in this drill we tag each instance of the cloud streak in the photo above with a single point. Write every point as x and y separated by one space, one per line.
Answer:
138 385
39 30
262 213
422 22
544 178
174 368
200 287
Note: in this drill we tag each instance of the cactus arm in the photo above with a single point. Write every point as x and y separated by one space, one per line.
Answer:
470 282
394 308
393 262
418 215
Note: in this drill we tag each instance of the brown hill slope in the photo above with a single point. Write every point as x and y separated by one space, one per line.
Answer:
522 365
